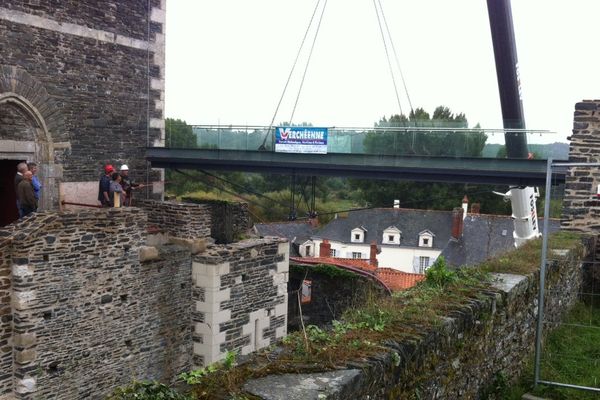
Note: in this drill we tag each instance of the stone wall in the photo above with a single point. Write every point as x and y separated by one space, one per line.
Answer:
460 359
230 220
6 354
240 291
181 220
87 314
581 207
83 82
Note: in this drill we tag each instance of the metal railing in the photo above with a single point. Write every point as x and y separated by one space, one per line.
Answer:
418 140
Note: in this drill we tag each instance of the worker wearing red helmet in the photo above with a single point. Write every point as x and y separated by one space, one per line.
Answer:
104 186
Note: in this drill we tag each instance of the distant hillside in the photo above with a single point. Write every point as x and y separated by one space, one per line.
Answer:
558 151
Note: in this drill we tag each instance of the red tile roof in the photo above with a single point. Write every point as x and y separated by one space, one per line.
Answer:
398 280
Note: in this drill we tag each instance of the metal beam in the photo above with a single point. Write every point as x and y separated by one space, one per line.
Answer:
387 167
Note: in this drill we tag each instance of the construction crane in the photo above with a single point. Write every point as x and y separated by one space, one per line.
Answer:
523 199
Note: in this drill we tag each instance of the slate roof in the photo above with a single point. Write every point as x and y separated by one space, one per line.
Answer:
410 222
485 236
294 231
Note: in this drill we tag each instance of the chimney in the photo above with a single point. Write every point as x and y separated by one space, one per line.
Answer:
465 206
475 208
325 249
373 256
457 223
396 203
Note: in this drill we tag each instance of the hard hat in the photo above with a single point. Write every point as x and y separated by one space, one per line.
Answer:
124 167
108 169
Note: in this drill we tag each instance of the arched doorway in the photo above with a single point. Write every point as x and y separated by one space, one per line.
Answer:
23 137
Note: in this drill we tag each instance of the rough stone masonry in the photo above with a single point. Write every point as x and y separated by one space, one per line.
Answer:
81 84
87 304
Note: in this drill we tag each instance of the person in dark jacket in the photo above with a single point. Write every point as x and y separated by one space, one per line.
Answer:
104 186
21 168
26 195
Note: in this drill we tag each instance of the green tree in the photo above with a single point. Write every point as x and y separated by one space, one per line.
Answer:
179 134
425 139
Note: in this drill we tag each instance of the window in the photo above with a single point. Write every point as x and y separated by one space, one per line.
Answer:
306 293
307 252
390 238
332 253
356 255
357 236
423 264
425 241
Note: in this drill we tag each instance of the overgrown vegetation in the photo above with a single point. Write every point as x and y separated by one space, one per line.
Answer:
147 390
330 271
526 258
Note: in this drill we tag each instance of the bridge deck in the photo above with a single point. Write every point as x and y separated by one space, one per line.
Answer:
390 167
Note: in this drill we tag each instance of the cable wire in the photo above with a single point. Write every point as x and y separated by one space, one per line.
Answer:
308 61
291 73
395 56
387 55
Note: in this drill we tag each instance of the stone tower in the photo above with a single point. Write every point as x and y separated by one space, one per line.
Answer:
81 84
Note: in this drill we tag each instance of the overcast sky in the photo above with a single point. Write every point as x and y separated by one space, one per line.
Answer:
228 61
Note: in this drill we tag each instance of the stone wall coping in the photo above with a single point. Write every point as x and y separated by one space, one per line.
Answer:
507 282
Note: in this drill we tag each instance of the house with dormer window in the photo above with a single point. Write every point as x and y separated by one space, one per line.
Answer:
407 240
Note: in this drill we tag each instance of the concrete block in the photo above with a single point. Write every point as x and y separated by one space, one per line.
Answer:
210 353
217 318
196 246
283 266
281 331
284 248
278 279
212 295
24 339
157 239
281 309
25 356
247 349
148 253
23 300
210 269
22 270
206 307
281 289
25 385
206 281
209 337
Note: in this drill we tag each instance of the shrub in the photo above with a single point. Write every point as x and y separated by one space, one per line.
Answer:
438 275
146 390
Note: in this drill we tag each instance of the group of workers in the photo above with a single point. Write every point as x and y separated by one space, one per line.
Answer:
116 188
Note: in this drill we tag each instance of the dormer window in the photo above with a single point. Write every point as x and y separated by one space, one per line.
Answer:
426 238
391 235
358 235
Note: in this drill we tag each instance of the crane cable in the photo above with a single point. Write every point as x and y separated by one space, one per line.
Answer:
395 56
308 61
262 147
387 55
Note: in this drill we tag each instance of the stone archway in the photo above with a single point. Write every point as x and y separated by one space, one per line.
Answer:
29 117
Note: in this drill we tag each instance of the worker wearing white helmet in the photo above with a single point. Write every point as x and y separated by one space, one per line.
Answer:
127 184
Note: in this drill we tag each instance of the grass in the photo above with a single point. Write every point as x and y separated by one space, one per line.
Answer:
527 258
571 354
